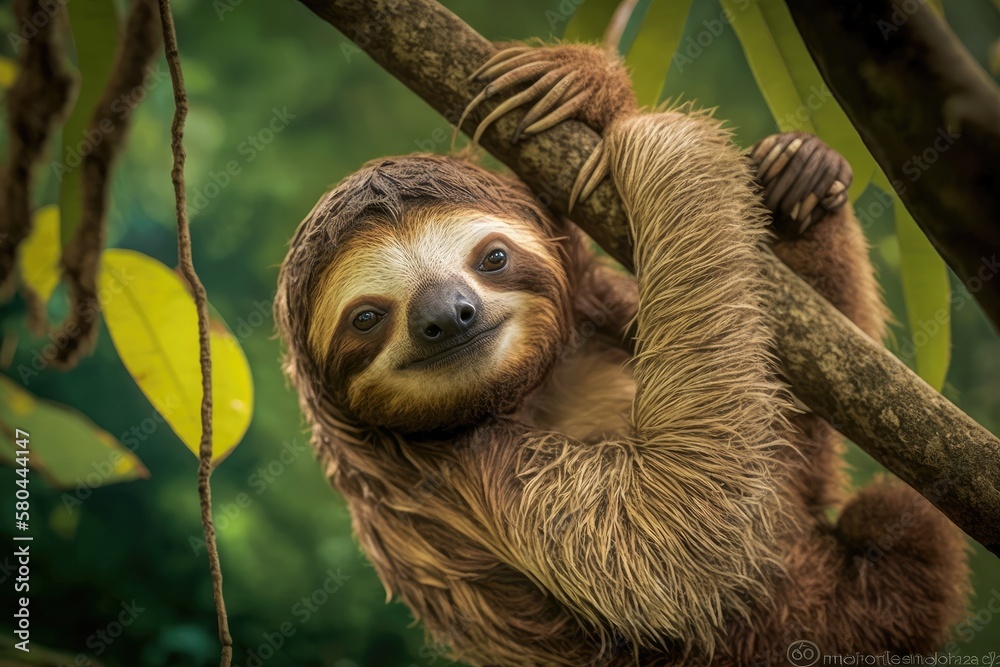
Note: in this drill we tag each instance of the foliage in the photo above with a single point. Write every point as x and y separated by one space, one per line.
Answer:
279 111
96 458
38 257
151 318
651 51
95 33
800 101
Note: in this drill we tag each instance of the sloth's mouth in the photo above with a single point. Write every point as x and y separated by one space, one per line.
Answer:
460 350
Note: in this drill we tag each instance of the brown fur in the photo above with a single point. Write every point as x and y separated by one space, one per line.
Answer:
682 517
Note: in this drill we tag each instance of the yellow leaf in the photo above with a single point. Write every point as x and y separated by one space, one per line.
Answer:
66 447
8 72
20 403
153 322
39 254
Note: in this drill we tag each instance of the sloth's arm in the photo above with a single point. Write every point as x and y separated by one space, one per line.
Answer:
669 529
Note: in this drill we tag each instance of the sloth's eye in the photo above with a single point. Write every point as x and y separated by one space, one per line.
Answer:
367 319
494 261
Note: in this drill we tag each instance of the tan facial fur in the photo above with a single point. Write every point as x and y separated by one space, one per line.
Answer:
387 266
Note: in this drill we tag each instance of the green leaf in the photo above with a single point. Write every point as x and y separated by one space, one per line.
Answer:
153 323
39 253
653 49
95 33
926 292
589 21
795 92
64 446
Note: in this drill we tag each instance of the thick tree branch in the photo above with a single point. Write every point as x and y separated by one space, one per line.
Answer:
840 373
929 115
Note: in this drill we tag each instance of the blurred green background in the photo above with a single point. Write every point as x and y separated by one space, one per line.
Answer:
137 543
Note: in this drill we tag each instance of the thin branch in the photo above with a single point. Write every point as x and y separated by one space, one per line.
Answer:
81 257
35 104
930 116
616 26
841 374
187 269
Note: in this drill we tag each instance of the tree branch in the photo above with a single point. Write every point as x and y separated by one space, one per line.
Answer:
845 377
930 116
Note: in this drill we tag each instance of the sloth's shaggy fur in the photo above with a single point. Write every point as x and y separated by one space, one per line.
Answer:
693 532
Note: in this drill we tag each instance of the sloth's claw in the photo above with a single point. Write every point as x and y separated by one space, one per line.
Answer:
523 97
551 98
511 78
514 102
591 174
498 57
502 57
515 76
803 179
566 110
548 91
568 81
565 80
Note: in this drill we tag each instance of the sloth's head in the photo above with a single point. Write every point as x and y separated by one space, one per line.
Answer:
443 298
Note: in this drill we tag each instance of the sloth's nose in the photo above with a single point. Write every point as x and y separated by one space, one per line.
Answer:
443 311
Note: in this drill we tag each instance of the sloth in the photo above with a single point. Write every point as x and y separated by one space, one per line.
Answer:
554 462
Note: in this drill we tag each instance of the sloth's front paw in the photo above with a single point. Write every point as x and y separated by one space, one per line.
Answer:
567 81
803 179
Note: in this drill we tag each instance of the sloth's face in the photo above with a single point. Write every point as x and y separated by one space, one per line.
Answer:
440 321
